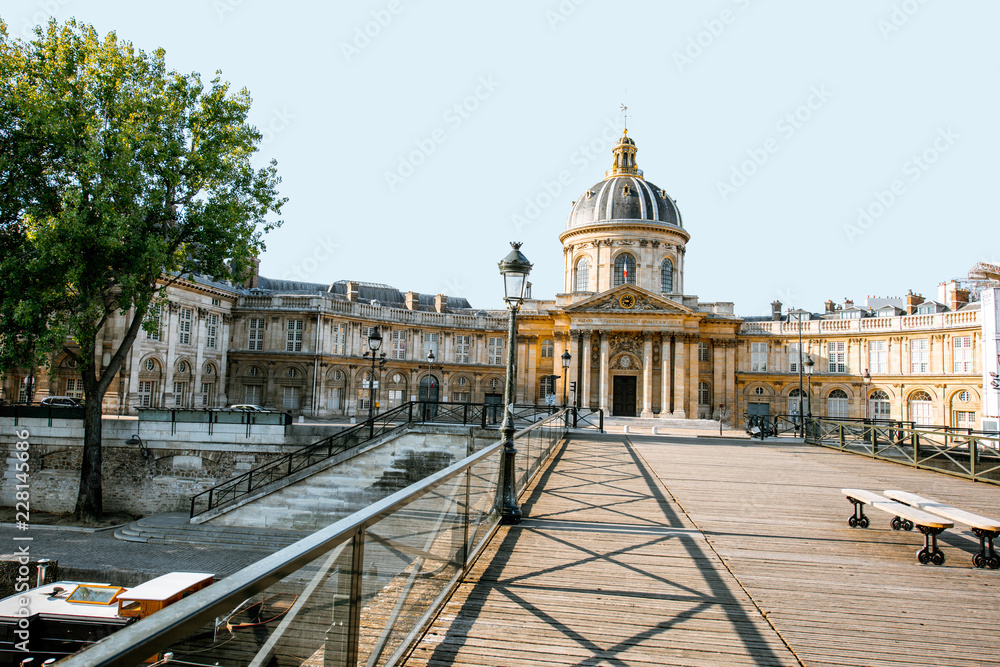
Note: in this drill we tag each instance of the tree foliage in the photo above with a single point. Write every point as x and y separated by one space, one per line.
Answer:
117 176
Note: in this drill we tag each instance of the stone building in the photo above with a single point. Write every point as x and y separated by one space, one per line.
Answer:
640 344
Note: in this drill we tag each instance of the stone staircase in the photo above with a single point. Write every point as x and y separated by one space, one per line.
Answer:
656 426
174 528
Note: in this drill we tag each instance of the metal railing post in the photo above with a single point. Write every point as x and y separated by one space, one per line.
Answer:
843 443
409 414
354 615
600 412
973 455
465 414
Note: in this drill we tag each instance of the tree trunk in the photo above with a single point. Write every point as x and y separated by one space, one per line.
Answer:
89 500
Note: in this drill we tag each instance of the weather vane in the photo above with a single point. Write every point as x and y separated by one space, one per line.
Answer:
625 113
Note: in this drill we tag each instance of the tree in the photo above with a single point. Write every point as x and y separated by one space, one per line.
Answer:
117 178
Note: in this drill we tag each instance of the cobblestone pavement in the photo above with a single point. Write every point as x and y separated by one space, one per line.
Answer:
99 556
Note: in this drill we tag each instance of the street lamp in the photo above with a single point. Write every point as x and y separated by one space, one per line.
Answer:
866 380
798 425
809 363
374 344
514 268
29 387
566 356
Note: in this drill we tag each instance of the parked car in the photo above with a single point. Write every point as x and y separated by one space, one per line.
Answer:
62 402
246 407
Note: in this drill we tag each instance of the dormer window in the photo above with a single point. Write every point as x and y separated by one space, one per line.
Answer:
590 193
626 191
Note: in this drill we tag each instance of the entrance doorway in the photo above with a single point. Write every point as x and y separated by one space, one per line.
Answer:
623 401
429 396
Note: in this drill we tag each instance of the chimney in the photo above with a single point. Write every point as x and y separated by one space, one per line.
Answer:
957 297
775 310
412 301
912 301
848 303
352 291
441 303
829 305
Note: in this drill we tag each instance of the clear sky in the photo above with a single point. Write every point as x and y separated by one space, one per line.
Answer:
816 149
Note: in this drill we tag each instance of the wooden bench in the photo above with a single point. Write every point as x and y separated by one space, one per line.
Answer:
903 515
984 528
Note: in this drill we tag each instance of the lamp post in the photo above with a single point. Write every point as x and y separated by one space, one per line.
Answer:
799 420
866 380
374 344
809 363
566 356
29 387
514 268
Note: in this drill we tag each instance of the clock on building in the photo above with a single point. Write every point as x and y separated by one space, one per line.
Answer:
626 300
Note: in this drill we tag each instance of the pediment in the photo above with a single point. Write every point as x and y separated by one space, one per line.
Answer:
643 301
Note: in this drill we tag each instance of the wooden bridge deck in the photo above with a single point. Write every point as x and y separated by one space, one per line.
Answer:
663 551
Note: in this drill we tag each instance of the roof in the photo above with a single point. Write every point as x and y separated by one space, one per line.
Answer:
386 295
41 601
166 586
624 198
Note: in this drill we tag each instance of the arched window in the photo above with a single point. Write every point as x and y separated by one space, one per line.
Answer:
667 276
837 404
793 402
624 270
582 282
921 408
878 405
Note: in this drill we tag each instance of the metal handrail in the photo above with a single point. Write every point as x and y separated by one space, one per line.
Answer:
137 642
960 453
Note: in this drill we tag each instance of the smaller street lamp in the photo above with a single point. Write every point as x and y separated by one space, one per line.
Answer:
566 356
866 380
374 344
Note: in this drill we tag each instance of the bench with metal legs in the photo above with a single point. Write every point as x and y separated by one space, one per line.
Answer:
904 518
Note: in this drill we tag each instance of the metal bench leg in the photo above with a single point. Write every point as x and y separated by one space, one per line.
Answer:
899 523
986 557
930 553
858 519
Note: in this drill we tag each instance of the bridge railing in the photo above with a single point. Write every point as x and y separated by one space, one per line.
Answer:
355 593
972 455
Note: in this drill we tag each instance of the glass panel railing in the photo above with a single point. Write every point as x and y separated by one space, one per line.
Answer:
355 593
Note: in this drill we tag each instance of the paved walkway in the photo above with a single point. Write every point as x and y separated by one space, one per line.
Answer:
668 551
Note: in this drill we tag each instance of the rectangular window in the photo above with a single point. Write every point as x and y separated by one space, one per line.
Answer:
211 331
496 350
878 356
293 339
339 340
398 345
431 345
154 315
179 394
704 393
462 345
547 387
837 353
547 348
184 330
74 388
363 399
758 357
461 396
962 358
333 399
793 357
255 341
216 302
395 398
965 419
920 355
145 393
703 352
253 394
206 394
837 408
290 398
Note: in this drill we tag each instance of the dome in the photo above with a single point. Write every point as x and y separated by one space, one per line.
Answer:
624 198
624 195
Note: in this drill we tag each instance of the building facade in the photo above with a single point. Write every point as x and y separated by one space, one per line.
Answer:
639 344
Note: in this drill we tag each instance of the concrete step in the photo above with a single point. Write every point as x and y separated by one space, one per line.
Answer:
173 528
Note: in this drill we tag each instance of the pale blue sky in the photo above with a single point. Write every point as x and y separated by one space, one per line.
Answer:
710 86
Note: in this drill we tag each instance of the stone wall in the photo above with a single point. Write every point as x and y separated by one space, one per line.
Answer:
159 477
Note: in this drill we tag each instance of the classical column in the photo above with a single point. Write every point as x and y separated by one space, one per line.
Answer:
572 398
647 375
719 372
680 377
665 376
222 379
168 369
692 388
602 388
522 363
199 358
531 370
558 344
585 388
730 381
